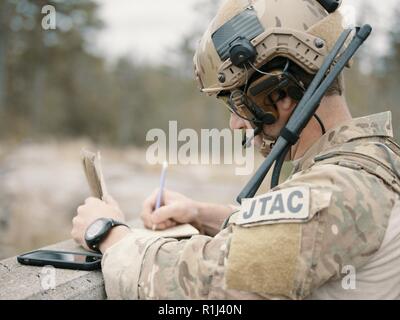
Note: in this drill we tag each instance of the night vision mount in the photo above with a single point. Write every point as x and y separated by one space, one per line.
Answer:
240 50
332 66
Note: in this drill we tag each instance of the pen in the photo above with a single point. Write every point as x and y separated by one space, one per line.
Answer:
162 184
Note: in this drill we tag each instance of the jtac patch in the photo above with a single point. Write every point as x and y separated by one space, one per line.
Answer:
287 205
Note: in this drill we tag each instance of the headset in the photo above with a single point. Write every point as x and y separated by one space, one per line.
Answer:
242 54
332 66
259 102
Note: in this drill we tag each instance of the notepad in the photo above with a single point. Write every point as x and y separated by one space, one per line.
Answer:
94 175
179 232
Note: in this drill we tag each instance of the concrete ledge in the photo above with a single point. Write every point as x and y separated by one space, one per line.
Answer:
19 282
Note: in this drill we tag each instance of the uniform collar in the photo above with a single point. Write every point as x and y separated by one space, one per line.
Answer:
377 125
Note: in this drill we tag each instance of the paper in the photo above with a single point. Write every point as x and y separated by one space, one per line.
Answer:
94 174
181 231
92 167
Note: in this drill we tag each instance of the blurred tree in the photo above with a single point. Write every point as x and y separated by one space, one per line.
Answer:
53 84
205 9
208 112
389 81
36 59
372 82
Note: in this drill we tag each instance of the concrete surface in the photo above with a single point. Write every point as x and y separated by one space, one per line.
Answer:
19 282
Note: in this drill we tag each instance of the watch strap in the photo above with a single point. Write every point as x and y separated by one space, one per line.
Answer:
116 223
95 243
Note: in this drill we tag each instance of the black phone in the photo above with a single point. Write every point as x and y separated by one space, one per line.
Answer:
62 259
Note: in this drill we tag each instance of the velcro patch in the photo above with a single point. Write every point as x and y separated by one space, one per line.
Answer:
287 205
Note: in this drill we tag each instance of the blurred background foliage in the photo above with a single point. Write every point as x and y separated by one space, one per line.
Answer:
52 84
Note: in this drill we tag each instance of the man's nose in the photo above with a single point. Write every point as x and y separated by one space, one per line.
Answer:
237 123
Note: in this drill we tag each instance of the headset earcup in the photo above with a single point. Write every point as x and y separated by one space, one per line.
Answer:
295 93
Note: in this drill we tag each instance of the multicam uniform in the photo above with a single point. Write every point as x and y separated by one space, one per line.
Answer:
335 213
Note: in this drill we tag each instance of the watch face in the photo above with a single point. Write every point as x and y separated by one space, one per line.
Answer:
96 228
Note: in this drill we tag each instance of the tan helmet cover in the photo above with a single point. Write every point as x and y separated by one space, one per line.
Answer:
292 29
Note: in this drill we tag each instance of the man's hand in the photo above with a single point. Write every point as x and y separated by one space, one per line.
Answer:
176 209
92 210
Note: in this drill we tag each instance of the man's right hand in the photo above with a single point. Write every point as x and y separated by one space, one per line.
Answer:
176 209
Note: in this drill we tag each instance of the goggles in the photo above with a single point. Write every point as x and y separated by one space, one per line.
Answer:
257 103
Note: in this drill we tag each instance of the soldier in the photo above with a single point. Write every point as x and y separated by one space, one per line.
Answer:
330 231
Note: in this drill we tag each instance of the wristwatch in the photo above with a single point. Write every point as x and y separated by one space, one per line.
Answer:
99 230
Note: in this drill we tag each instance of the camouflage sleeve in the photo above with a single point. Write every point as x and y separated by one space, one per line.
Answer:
352 229
293 258
121 265
156 268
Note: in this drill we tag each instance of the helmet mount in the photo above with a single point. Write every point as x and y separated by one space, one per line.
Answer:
241 52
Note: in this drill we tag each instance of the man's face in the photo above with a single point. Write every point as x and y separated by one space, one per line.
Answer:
237 123
285 108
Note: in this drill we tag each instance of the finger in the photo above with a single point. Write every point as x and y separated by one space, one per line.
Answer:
163 214
163 225
149 204
170 224
146 221
80 210
148 224
74 236
147 210
75 220
92 200
160 226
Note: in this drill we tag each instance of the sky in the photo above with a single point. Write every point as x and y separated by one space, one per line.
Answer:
149 30
144 30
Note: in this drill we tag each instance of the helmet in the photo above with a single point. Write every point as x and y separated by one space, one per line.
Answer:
254 48
254 32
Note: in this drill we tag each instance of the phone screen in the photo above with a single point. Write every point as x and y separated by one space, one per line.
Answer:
62 257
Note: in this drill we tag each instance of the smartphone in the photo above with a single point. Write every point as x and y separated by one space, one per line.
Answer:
62 259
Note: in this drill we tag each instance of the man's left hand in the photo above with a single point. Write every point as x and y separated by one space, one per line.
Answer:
92 210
